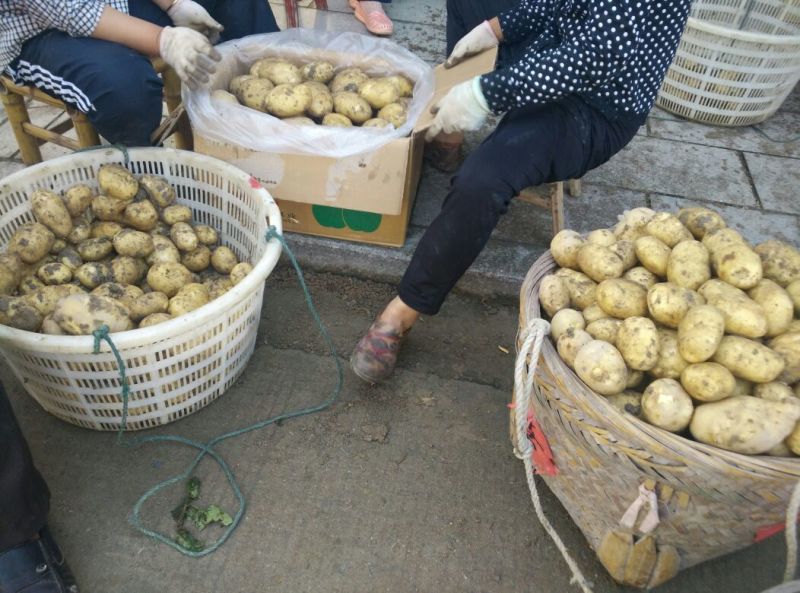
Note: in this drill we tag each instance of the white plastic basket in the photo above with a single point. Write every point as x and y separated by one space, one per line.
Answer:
736 62
173 368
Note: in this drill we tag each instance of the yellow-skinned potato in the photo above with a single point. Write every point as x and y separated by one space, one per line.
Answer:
235 85
58 245
788 348
668 303
321 105
670 363
253 93
45 298
700 221
626 251
280 72
164 250
31 242
601 367
176 213
668 229
738 265
743 316
108 208
77 199
605 329
749 359
352 106
142 216
593 313
104 229
336 120
637 341
117 182
30 284
127 270
287 100
395 113
375 122
224 96
319 71
81 230
155 319
665 404
700 332
582 289
258 68
8 279
621 298
742 387
565 319
158 190
793 290
721 239
94 273
49 209
183 236
81 314
168 277
634 379
300 120
198 259
604 237
632 224
54 273
688 264
403 84
777 305
775 391
570 342
780 261
206 235
379 92
553 294
50 327
217 287
708 381
16 313
653 254
148 304
223 259
627 402
188 298
641 276
348 80
95 249
124 294
564 248
239 271
744 424
133 243
599 263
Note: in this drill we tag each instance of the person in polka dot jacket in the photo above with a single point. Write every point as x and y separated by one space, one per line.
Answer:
575 80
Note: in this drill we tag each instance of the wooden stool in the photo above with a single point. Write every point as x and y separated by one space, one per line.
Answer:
30 137
553 201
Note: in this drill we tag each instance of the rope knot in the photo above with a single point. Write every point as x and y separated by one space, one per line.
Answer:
100 334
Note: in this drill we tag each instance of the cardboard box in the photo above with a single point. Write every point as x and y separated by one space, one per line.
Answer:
366 197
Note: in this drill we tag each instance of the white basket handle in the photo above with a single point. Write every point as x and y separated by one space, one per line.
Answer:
533 336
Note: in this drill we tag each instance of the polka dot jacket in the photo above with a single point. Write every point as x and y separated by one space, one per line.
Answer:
612 53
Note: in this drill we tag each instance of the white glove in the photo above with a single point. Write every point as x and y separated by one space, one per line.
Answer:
463 108
189 53
480 38
188 13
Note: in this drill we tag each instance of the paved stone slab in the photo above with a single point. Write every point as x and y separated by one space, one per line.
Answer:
777 181
7 167
755 225
8 143
598 206
677 168
428 12
792 102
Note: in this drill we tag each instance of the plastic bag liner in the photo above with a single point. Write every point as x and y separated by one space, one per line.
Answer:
248 128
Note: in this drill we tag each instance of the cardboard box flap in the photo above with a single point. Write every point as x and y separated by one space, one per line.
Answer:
447 78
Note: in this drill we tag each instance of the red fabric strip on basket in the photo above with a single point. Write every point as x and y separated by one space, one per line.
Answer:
542 455
768 531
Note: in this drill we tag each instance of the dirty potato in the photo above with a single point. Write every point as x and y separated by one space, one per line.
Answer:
104 229
164 250
81 314
336 120
348 80
54 273
403 84
158 190
95 249
141 216
288 100
77 199
700 221
148 304
155 319
239 271
189 297
277 71
176 213
379 92
395 113
168 277
31 242
375 122
49 209
235 85
117 182
133 243
223 259
318 71
108 208
254 92
93 274
16 313
127 270
198 259
183 236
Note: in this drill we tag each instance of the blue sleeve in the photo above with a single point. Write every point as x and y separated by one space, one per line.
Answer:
526 17
78 18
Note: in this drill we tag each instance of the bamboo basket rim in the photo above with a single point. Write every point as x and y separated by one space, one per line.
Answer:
657 442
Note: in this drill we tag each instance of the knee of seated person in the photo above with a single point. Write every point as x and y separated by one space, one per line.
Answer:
132 111
482 189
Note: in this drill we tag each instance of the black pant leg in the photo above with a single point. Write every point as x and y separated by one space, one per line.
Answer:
465 15
24 497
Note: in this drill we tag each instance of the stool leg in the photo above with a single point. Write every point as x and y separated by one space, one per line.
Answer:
172 95
575 187
17 116
557 206
87 135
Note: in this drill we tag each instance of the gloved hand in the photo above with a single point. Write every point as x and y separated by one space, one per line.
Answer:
189 53
463 108
188 13
480 38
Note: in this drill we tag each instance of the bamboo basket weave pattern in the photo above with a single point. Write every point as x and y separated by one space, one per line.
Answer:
710 502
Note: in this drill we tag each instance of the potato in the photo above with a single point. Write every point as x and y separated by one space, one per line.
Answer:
316 88
81 314
708 381
50 327
134 243
176 213
235 85
217 287
749 359
239 271
258 68
164 250
653 254
8 280
605 329
688 264
375 122
108 208
300 121
788 348
30 284
637 342
117 182
55 273
700 221
742 387
775 391
744 424
565 319
352 106
50 210
738 265
158 190
793 290
632 224
665 404
553 294
670 363
722 238
669 303
31 242
93 274
105 230
780 261
668 229
601 367
348 80
564 248
403 84
183 236
635 378
570 342
188 298
44 299
743 316
321 105
641 276
224 96
627 402
593 313
278 71
318 71
58 245
198 259
700 332
77 199
125 294
95 249
621 298
16 313
155 319
128 270
80 232
395 113
777 305
287 100
582 289
253 93
168 277
148 304
599 263
336 120
379 92
206 235
223 259
604 237
626 251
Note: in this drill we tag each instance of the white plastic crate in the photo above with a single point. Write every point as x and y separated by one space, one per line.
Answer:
173 368
736 62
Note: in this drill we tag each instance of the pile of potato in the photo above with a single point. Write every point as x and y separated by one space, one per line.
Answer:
316 93
680 321
126 256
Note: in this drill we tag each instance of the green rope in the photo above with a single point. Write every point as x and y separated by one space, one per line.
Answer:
121 147
208 448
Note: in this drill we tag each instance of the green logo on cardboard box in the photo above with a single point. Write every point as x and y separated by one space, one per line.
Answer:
339 218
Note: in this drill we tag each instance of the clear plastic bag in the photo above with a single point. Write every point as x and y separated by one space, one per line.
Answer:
241 126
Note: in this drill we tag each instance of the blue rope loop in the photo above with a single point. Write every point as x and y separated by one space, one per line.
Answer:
207 449
121 147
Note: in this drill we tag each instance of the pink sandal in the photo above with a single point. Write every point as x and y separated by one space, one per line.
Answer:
370 12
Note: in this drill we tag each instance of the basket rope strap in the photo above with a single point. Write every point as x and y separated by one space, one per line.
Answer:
207 449
534 335
121 147
791 534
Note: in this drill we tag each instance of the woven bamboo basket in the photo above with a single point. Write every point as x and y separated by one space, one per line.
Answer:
710 502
